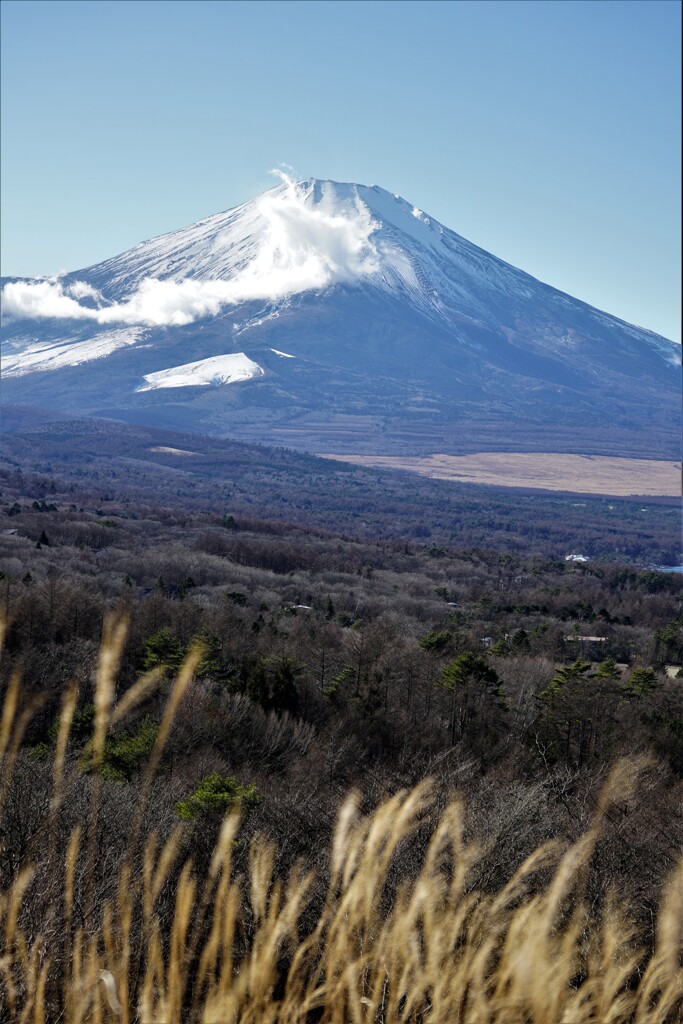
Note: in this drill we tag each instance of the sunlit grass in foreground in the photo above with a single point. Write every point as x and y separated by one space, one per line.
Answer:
437 952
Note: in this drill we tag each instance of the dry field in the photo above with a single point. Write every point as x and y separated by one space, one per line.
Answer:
582 474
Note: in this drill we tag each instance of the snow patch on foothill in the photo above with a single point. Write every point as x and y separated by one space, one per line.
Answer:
165 450
41 356
215 370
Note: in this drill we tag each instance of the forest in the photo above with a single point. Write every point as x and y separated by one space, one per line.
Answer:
335 631
112 464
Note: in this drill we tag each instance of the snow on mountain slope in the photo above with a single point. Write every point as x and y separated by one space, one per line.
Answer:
26 355
216 370
277 245
295 238
345 313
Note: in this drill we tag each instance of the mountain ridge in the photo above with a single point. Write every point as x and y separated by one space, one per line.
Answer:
351 303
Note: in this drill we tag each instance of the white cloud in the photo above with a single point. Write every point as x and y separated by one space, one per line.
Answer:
305 245
82 290
40 299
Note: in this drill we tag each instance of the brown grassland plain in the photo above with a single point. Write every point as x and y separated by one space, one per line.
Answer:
582 474
241 949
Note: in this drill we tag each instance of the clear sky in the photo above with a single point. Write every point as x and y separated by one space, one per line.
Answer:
546 132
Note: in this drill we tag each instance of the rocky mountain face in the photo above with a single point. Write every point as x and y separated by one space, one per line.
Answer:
339 318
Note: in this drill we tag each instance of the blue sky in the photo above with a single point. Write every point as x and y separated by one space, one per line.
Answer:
546 132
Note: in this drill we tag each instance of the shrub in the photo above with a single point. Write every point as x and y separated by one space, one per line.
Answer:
216 794
123 754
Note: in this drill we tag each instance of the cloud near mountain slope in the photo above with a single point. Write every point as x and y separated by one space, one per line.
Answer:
304 247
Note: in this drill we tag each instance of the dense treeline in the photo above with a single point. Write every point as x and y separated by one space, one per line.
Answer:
330 662
109 463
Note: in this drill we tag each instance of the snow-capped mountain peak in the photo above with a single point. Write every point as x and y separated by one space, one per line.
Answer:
373 301
297 237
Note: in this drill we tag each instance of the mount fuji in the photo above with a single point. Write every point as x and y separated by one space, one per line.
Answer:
338 318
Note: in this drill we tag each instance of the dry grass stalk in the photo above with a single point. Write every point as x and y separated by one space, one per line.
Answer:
433 953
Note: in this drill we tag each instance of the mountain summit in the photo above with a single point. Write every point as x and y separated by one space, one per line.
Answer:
339 317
